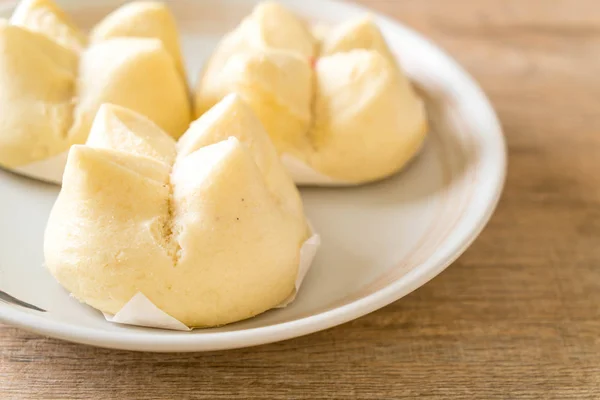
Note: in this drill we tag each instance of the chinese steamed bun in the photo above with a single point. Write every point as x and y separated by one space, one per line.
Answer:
334 101
209 228
45 113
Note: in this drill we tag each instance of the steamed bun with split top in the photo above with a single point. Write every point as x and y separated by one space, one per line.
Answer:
335 102
208 228
128 63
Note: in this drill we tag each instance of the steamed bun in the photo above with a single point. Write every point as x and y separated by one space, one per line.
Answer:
45 113
333 98
209 228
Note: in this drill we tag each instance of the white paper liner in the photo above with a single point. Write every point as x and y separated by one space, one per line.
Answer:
140 311
307 255
302 174
48 170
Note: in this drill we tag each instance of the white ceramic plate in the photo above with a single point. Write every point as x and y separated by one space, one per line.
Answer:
380 241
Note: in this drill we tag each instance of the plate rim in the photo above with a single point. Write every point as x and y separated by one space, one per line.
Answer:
211 341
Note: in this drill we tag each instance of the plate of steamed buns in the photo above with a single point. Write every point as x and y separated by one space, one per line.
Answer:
195 176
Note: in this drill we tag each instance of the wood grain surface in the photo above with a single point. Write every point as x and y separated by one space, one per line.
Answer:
517 317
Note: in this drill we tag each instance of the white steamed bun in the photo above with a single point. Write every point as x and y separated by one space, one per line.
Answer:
45 113
332 98
209 228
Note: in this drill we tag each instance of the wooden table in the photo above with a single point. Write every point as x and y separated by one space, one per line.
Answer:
517 316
